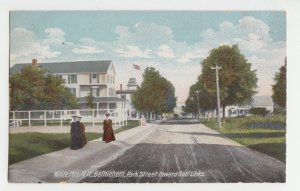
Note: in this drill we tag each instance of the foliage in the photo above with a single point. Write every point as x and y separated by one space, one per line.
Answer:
34 88
262 111
156 93
236 79
206 100
90 101
257 132
279 88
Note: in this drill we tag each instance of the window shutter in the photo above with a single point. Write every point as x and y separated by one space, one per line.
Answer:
98 78
90 78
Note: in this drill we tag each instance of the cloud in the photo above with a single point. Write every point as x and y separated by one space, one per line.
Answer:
144 34
86 50
25 45
189 56
54 36
133 51
165 51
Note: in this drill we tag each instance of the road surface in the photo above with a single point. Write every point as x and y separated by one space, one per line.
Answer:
188 153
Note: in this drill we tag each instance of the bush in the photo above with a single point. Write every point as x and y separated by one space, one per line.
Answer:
262 111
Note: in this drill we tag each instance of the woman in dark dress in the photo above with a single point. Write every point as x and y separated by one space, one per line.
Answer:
76 137
108 132
82 128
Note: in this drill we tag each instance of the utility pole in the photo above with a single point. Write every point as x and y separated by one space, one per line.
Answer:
198 104
217 68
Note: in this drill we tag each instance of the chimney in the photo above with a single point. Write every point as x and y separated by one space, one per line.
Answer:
34 62
121 87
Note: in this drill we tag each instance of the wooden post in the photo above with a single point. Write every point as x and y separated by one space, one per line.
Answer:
45 119
29 118
94 116
61 118
14 115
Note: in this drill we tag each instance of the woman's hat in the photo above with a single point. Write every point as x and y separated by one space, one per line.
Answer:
76 115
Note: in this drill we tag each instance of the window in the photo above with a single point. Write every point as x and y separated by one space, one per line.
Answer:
94 79
73 91
108 79
95 92
112 105
72 79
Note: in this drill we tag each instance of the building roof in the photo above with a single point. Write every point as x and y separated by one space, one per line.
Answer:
262 101
102 99
100 66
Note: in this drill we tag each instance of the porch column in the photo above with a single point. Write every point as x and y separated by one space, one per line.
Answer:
97 109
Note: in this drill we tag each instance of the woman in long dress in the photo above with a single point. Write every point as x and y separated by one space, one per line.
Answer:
82 128
76 138
108 132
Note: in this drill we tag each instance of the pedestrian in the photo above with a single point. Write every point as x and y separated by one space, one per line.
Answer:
76 138
82 128
108 132
143 121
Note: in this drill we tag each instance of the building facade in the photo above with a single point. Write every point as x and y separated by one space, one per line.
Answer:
84 78
126 94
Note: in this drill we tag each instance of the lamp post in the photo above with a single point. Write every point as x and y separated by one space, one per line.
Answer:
197 91
217 68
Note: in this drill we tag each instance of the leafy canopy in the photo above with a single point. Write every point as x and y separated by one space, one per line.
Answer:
35 89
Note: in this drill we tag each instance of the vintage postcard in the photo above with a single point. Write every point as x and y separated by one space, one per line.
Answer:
147 96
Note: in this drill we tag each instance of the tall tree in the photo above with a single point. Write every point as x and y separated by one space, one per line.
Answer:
279 88
207 101
35 88
156 93
236 79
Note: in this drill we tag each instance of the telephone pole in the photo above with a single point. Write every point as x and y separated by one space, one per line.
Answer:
198 104
217 68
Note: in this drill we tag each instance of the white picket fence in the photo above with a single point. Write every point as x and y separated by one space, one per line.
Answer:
63 117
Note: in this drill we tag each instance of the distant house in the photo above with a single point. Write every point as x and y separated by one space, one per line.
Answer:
257 101
263 101
84 78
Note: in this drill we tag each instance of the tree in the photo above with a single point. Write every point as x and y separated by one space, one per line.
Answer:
90 101
236 79
34 88
279 88
156 93
207 102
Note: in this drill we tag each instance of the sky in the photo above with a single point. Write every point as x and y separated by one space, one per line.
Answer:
174 42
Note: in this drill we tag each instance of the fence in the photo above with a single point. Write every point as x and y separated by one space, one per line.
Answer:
63 117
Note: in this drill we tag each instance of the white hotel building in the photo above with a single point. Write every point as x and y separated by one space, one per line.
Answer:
84 78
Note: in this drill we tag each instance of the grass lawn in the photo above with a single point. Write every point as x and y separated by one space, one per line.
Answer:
264 134
23 146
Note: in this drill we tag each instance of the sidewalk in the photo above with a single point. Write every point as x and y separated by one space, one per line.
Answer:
90 158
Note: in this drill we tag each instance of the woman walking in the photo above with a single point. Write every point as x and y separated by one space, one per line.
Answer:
108 132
